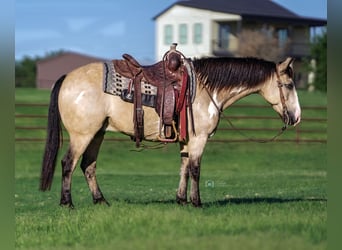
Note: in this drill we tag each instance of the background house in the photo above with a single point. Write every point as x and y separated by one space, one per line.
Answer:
213 28
50 69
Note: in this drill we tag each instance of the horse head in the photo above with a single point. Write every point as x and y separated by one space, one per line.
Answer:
281 93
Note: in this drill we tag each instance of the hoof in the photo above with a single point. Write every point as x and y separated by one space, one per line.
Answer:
181 201
67 205
196 204
101 201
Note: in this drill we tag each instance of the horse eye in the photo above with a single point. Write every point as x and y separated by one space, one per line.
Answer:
289 86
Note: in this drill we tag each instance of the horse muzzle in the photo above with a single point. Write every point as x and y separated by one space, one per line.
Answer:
290 118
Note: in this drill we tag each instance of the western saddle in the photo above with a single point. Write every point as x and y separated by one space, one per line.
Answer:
170 76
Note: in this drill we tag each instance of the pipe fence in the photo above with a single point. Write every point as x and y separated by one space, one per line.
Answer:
31 120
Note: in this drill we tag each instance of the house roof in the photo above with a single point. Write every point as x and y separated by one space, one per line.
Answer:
68 54
249 9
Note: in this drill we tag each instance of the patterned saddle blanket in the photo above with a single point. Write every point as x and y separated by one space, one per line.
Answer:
116 84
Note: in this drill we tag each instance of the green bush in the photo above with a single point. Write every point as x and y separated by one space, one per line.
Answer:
25 72
319 53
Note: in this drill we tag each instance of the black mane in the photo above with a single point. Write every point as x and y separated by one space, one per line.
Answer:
228 72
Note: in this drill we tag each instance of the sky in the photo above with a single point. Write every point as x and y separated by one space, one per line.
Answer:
104 28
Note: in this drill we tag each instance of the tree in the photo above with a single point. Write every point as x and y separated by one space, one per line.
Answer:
261 44
25 69
25 72
319 54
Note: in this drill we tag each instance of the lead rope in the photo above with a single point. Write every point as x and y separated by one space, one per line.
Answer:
254 139
238 130
143 146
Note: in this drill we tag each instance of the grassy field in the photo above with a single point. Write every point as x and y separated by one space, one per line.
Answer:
255 196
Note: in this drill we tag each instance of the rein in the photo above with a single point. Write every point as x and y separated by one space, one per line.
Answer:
285 115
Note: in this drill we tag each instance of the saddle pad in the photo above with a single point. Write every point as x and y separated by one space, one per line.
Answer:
116 84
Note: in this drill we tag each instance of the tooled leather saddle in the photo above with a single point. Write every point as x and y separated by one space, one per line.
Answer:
170 77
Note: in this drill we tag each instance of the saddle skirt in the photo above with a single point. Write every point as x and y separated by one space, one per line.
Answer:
118 85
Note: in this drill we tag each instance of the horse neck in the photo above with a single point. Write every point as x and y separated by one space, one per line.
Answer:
227 97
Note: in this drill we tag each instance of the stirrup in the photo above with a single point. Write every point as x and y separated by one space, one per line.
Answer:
171 139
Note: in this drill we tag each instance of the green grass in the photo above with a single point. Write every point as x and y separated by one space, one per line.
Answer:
32 95
275 197
264 196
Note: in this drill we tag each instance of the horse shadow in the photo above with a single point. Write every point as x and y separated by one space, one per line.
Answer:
227 202
258 200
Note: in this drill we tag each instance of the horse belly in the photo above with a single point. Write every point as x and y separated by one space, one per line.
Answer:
121 119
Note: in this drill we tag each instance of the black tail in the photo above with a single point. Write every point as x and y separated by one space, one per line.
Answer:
53 139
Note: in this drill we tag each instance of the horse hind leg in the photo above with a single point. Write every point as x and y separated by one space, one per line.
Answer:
88 166
69 162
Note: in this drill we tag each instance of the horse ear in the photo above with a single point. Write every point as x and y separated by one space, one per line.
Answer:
288 63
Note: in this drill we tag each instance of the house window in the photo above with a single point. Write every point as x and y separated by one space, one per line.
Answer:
168 34
282 37
224 32
183 33
198 30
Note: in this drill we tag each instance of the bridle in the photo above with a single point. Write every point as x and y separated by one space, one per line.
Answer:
285 117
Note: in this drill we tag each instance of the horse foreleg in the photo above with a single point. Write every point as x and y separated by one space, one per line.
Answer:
88 166
196 147
184 176
194 170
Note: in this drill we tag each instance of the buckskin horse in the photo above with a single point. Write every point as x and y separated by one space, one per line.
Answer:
78 100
